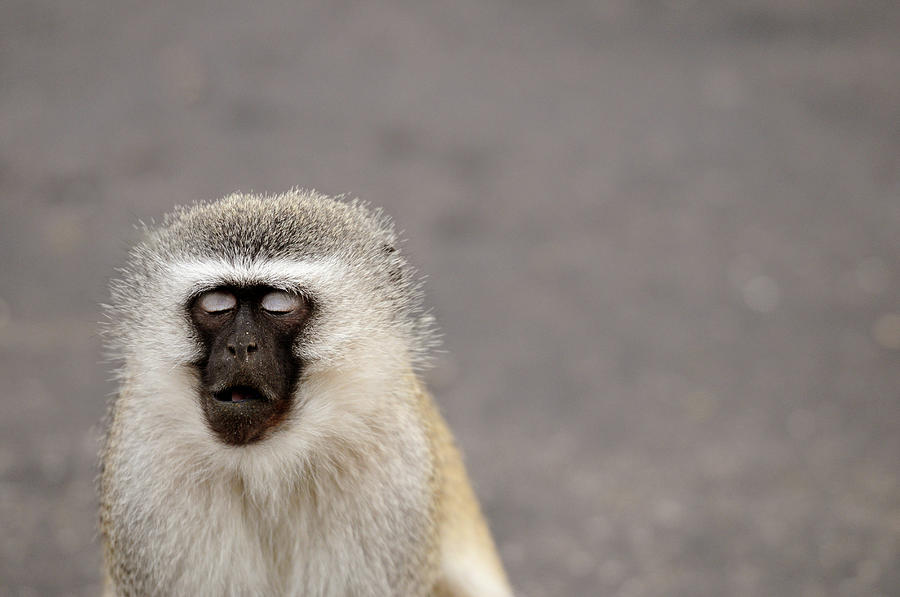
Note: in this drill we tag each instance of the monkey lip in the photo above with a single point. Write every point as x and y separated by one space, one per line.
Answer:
242 412
239 394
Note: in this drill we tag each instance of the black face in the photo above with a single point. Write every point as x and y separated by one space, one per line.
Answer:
248 369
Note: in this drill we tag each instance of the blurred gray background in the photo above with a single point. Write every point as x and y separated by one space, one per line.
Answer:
662 240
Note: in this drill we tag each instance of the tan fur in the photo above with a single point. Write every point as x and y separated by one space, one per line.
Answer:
360 491
469 561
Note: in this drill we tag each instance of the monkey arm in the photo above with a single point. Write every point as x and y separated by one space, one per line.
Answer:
469 565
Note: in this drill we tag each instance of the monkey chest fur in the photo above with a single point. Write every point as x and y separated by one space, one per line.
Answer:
180 522
224 544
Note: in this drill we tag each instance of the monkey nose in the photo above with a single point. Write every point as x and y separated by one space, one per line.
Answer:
242 348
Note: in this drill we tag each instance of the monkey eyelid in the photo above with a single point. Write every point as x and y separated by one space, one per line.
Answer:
216 301
281 301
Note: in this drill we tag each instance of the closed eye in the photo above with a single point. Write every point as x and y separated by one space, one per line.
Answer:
216 301
279 301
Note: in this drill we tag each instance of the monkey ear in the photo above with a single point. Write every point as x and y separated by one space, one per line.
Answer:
395 272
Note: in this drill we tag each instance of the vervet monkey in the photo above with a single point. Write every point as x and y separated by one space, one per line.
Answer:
270 435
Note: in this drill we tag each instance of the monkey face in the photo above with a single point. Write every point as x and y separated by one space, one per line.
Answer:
248 368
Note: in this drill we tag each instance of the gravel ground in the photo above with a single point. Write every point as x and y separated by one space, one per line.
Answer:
662 239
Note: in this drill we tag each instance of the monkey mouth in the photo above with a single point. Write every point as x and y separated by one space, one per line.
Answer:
242 413
239 394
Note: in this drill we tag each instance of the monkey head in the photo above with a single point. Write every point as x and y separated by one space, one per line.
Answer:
281 313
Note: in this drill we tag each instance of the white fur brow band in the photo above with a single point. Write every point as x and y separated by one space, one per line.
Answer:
189 277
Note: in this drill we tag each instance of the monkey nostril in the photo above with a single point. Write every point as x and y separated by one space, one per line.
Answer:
252 347
232 349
